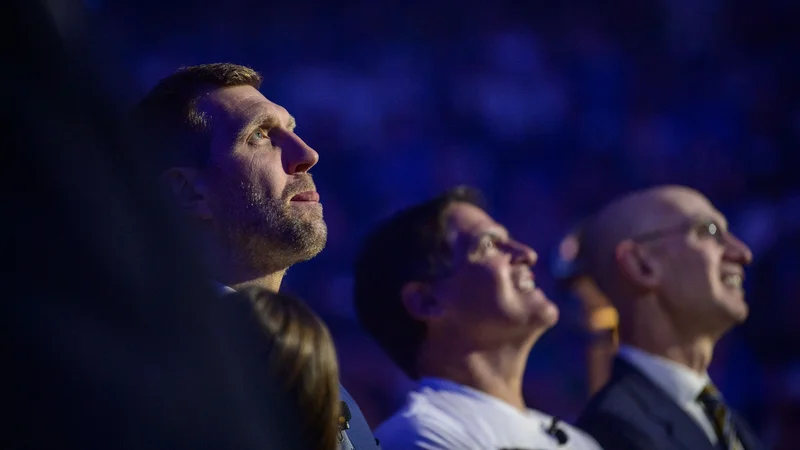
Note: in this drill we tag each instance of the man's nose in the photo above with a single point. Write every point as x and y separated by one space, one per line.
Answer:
736 250
524 254
298 157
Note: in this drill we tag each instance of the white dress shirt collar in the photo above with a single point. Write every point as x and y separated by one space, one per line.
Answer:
222 289
681 383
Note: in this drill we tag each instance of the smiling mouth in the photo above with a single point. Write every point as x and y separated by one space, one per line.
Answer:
526 285
732 280
308 196
525 282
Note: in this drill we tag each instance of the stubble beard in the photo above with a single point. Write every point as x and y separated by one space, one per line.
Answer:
267 235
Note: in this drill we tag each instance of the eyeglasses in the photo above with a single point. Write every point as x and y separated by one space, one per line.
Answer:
704 229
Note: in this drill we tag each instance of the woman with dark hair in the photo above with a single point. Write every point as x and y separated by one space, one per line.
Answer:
303 357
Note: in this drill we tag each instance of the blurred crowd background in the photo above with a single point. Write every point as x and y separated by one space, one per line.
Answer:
551 108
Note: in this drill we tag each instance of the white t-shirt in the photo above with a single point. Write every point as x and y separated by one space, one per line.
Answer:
443 415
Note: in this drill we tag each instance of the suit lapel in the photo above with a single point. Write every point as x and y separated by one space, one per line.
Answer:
746 435
677 424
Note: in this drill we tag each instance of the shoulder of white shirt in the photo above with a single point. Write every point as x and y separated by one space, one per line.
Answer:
442 411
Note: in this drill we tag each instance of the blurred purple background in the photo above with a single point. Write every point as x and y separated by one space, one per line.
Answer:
551 109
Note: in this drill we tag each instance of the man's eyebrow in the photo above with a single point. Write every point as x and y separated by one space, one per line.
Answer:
497 231
265 120
470 239
717 217
724 221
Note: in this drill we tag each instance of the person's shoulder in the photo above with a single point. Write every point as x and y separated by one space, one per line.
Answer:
420 425
619 397
577 438
612 403
615 417
359 433
613 430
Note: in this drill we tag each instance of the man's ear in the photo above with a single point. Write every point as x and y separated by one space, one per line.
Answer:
419 301
637 265
189 190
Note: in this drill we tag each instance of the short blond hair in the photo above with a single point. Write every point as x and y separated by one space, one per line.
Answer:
168 116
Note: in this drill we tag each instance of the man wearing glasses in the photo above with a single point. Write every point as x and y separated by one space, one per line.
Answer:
451 298
674 273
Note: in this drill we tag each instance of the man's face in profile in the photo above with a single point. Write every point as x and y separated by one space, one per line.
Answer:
701 264
491 289
263 199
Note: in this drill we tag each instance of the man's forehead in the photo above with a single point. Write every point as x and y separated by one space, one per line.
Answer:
239 105
464 219
689 204
649 210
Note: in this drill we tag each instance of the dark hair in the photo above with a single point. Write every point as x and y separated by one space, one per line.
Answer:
411 245
303 357
168 117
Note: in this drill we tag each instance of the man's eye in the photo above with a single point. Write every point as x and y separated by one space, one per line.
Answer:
711 230
259 135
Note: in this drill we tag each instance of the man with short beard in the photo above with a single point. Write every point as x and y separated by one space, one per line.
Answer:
235 167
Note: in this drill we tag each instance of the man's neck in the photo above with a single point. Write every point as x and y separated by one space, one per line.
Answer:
657 335
232 268
239 276
497 372
271 281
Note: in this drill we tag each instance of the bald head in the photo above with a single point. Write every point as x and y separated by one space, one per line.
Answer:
665 256
666 260
636 214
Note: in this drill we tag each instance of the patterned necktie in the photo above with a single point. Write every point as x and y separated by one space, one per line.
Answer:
720 416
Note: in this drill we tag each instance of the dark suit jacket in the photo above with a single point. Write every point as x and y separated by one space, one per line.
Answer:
632 413
360 434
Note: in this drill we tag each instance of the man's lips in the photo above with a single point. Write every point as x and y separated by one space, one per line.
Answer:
308 196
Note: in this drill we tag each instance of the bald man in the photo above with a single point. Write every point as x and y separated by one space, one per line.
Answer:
665 258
